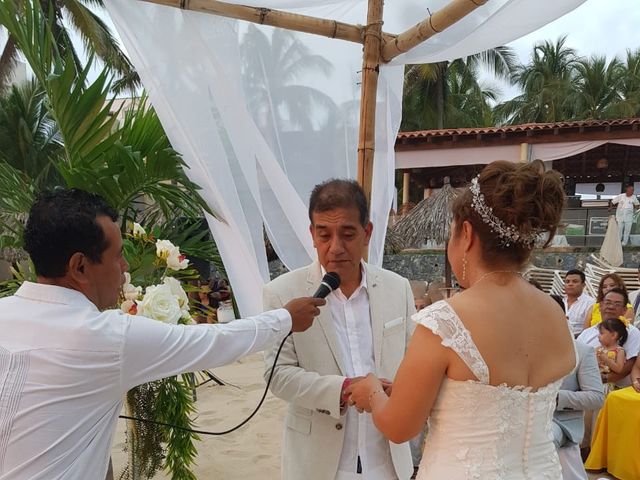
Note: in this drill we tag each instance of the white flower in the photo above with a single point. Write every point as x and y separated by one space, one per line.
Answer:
130 307
129 291
164 248
179 293
160 303
168 252
138 231
177 261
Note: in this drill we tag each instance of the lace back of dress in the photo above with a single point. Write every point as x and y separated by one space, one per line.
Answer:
442 320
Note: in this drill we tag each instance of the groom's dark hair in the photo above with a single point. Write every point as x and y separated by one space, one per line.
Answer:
63 222
338 193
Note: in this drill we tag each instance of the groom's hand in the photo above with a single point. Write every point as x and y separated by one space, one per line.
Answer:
387 386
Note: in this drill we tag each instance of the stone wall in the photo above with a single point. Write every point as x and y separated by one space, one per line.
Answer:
428 265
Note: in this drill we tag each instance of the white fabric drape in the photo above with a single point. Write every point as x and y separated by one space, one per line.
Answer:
611 249
261 115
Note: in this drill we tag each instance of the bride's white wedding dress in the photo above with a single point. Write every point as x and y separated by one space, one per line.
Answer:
479 431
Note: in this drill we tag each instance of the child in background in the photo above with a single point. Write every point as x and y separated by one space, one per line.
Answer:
611 355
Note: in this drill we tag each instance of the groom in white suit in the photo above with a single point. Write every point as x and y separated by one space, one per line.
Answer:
365 328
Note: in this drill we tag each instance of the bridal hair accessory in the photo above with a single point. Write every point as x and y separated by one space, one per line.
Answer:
508 233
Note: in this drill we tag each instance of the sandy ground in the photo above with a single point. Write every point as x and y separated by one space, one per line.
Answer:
253 452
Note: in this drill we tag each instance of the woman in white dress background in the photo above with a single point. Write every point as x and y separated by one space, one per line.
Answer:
485 366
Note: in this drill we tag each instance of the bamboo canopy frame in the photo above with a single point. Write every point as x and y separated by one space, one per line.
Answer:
379 47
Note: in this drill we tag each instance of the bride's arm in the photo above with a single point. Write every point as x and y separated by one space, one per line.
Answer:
415 389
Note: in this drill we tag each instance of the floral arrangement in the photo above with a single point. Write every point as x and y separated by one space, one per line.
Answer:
154 288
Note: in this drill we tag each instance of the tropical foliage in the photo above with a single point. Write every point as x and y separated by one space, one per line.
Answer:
451 94
66 132
82 16
557 84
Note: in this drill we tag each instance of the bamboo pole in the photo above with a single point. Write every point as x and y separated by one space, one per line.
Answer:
440 20
370 68
274 18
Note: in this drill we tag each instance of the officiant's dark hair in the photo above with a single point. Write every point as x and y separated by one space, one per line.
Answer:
338 193
63 222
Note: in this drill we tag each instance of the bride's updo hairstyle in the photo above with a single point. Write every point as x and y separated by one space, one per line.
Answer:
510 207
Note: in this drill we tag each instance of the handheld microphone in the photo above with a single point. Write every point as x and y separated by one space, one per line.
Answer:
329 283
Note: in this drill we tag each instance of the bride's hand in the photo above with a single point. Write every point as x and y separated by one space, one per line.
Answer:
360 392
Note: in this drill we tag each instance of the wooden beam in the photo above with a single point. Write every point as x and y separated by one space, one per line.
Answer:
440 20
370 69
274 18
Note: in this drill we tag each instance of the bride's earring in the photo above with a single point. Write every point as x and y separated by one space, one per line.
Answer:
464 267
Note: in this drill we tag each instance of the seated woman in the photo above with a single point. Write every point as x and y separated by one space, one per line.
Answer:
616 441
607 282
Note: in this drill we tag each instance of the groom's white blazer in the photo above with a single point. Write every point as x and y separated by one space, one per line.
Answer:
310 370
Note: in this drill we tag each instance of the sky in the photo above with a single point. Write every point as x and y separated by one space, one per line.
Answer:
602 27
597 27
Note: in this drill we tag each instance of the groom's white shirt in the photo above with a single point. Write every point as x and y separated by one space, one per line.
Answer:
366 333
352 323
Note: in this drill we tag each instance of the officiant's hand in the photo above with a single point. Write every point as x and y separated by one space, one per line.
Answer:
361 393
303 311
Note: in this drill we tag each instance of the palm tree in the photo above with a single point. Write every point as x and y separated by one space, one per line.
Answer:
63 121
95 34
428 88
273 67
547 83
29 136
629 105
597 88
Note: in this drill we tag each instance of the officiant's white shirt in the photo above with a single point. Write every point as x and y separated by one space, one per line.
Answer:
65 366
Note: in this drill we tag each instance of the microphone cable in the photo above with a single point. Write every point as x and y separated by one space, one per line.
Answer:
224 432
330 281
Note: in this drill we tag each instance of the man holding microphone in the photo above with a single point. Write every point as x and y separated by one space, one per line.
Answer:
66 359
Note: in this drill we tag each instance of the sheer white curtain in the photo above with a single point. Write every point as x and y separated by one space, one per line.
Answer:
261 115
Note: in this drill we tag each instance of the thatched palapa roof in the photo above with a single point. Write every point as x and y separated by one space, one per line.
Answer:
429 220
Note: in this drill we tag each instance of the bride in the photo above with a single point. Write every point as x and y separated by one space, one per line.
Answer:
485 366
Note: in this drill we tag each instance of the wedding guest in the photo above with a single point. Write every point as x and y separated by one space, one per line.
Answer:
611 356
67 359
634 299
626 205
576 301
580 390
365 329
485 366
614 305
607 282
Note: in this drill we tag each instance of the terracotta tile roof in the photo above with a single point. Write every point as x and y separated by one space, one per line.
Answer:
527 127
